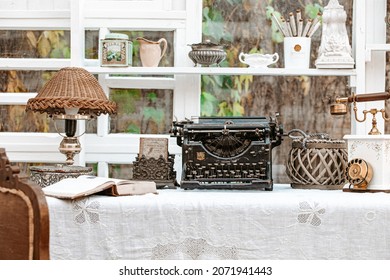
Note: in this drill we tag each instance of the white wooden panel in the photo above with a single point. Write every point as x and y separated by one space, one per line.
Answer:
109 6
103 170
178 5
26 138
32 147
375 69
140 82
137 24
33 63
37 157
103 120
132 14
118 142
43 147
124 146
77 38
187 92
61 4
40 14
359 37
40 5
13 4
34 20
369 27
112 159
15 98
34 4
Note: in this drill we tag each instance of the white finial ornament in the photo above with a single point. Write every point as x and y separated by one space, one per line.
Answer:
335 50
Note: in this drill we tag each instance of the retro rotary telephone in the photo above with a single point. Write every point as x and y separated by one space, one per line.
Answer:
340 107
358 172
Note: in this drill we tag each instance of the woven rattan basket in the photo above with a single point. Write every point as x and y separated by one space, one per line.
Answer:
316 162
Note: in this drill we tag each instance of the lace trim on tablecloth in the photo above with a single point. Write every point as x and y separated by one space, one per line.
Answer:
309 214
195 249
86 211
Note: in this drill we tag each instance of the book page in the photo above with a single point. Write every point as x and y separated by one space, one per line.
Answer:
76 187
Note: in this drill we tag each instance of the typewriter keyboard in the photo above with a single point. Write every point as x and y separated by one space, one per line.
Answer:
197 171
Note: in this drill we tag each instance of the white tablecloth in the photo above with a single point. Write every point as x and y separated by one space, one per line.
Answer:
223 224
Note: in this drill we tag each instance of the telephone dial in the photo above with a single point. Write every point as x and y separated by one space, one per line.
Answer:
358 173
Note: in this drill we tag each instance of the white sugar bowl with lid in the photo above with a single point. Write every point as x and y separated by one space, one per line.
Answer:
116 50
258 60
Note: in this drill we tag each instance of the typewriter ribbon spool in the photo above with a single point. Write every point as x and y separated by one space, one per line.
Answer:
359 173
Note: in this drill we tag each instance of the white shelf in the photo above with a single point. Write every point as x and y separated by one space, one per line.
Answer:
31 64
220 71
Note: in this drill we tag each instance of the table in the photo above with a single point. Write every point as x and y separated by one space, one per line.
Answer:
282 224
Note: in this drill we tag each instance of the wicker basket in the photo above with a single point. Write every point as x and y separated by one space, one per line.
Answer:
316 162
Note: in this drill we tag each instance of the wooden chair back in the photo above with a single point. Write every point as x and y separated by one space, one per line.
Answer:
24 216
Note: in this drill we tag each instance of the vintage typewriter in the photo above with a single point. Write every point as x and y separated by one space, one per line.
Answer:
227 152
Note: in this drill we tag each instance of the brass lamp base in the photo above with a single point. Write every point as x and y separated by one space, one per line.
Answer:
70 146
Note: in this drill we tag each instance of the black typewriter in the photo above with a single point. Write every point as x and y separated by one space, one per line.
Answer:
227 152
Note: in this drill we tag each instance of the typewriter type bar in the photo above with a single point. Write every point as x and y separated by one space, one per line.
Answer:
227 153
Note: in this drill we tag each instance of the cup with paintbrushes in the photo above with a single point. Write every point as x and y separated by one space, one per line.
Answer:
297 38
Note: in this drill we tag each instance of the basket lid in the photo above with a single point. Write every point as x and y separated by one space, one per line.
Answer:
207 45
315 140
319 144
118 36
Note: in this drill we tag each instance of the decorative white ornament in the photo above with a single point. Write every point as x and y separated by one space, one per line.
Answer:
335 50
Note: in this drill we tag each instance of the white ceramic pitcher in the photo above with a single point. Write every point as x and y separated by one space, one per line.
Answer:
151 52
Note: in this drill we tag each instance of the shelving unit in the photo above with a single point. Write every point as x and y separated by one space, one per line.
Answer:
74 15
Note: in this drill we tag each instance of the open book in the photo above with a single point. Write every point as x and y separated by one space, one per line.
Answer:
72 188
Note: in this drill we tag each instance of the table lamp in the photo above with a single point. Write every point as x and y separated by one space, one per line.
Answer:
72 94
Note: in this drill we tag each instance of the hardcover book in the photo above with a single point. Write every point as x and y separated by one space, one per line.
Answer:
85 185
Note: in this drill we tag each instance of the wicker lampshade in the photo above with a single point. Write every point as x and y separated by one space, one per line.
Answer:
72 87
